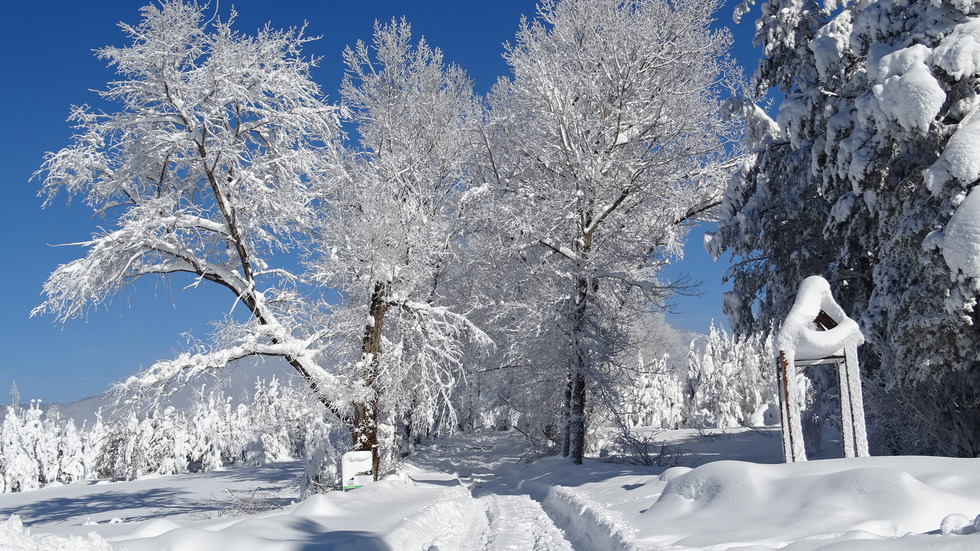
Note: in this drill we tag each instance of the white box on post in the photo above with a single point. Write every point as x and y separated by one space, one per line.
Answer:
356 469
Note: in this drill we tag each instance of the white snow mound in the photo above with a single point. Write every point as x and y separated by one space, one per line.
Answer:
908 94
869 498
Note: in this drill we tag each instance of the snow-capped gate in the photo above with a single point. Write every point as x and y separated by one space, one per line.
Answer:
817 331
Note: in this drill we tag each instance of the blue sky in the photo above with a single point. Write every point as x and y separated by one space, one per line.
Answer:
49 65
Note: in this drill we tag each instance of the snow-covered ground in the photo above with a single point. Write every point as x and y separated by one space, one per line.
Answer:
481 492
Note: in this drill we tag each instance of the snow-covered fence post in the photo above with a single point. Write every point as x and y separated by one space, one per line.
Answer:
817 331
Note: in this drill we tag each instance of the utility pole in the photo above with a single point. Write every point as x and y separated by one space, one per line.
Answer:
14 396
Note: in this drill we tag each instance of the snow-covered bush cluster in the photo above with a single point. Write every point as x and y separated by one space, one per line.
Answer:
867 177
275 423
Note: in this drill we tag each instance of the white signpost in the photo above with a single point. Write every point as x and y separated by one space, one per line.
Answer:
356 469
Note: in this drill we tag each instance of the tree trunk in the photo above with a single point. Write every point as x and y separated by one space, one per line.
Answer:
566 416
577 419
366 413
575 392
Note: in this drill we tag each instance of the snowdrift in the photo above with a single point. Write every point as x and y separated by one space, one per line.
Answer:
730 503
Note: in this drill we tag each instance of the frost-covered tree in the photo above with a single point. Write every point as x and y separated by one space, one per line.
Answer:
604 143
394 234
728 378
206 168
71 453
867 181
17 454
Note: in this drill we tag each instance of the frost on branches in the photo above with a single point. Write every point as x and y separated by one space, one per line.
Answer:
207 169
604 142
393 240
864 182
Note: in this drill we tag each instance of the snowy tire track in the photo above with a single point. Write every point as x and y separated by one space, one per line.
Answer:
588 524
518 523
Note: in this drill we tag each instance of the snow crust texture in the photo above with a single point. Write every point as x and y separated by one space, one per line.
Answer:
14 536
875 498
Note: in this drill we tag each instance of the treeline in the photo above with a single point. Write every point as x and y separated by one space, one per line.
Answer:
273 423
727 381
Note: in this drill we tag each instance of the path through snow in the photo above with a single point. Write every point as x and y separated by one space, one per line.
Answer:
481 463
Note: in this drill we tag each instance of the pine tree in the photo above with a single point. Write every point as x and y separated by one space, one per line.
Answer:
861 186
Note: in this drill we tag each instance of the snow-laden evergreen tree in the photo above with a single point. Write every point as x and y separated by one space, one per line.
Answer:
867 181
17 457
394 232
604 143
729 377
71 453
207 168
656 397
94 438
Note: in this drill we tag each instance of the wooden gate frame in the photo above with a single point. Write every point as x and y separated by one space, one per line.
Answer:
840 333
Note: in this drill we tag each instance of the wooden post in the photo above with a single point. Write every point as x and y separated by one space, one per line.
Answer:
835 333
785 410
846 418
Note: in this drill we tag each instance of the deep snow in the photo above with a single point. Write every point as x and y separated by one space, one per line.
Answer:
469 492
